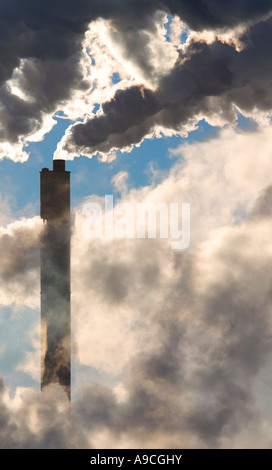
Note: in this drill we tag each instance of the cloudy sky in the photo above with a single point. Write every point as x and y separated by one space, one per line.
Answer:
152 102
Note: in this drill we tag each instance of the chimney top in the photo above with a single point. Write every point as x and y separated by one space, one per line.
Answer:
58 165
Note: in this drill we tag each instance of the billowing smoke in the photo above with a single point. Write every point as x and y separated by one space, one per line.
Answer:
180 341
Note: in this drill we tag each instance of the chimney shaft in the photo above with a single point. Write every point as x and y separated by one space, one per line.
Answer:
55 277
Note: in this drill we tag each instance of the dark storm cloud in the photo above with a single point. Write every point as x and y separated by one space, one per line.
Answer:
51 49
47 82
125 121
48 36
207 80
208 14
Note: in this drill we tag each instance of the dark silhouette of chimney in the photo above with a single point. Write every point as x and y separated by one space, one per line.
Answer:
55 277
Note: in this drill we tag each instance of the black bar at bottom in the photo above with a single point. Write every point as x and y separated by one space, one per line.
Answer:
137 458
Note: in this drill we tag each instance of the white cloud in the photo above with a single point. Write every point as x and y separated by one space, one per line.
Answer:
19 243
14 152
31 362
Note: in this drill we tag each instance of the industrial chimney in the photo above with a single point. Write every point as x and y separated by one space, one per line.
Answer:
55 277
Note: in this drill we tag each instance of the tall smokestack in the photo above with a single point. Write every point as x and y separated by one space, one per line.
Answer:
55 277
